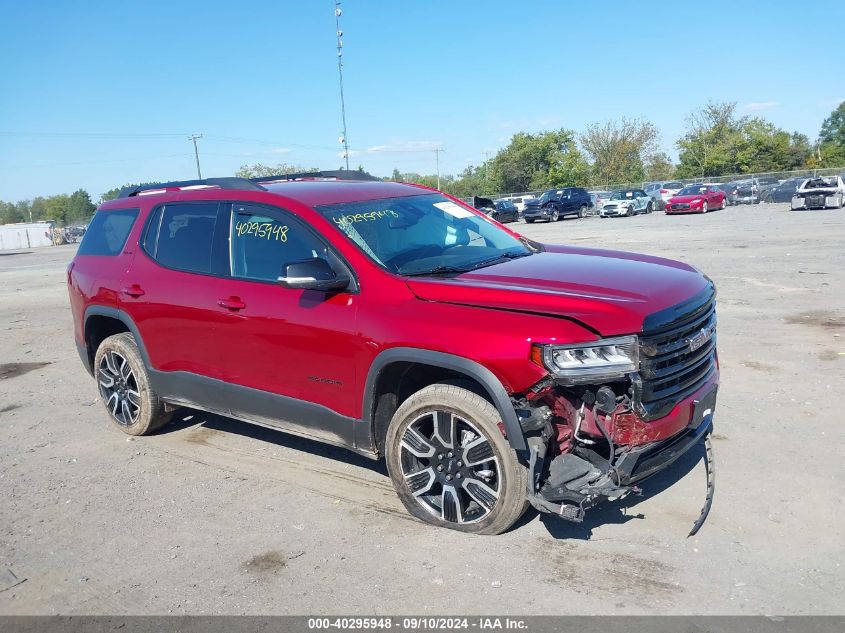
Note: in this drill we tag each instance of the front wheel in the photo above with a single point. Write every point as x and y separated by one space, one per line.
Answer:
451 465
125 388
649 208
704 207
555 215
724 204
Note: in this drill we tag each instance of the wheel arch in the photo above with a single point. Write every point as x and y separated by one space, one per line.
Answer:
415 367
100 322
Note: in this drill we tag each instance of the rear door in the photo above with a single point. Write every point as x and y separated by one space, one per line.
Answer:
172 290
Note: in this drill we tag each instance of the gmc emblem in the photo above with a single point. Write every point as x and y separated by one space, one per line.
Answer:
700 338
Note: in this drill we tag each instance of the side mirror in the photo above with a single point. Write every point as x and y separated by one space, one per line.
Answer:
314 273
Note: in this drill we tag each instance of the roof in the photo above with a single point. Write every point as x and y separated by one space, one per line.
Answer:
308 190
316 192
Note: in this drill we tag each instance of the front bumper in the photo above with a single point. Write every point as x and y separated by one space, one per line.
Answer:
613 212
536 214
681 210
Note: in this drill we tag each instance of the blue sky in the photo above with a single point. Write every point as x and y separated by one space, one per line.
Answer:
97 94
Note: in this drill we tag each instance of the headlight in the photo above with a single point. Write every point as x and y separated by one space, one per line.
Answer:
592 362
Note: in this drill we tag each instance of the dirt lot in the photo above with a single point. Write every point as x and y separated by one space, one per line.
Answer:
213 516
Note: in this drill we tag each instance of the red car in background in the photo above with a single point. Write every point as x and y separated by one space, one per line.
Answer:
699 198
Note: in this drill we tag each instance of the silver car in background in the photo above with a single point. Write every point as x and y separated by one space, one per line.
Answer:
820 193
660 192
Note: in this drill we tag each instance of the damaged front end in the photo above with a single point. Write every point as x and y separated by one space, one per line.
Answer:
615 412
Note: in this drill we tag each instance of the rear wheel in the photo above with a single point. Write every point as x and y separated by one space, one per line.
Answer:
125 388
582 212
451 465
649 208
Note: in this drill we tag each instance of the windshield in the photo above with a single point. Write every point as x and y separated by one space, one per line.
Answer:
418 235
546 197
692 190
622 195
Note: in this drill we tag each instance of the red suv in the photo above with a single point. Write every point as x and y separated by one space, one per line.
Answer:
491 371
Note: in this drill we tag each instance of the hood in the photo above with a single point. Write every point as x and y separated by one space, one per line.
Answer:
610 292
689 198
534 202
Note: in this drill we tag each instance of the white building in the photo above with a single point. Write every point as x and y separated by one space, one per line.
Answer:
25 235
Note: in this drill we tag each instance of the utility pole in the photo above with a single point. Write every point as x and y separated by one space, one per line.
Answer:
194 137
486 166
437 161
343 140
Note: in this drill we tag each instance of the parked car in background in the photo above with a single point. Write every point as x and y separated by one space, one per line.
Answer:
730 192
555 204
698 198
746 192
482 204
820 193
660 192
764 185
782 192
504 211
627 202
519 201
599 198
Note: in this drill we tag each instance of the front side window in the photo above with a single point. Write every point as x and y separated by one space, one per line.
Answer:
425 234
184 236
107 232
262 241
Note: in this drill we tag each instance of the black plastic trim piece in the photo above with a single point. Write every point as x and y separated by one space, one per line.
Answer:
123 318
242 184
488 380
341 174
299 417
82 350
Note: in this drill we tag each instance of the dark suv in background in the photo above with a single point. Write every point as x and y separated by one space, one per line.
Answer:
555 204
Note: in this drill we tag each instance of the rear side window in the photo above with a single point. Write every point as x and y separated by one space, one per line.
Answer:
181 236
107 232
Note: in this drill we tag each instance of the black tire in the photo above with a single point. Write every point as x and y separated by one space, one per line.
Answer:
582 212
132 405
414 447
649 208
555 215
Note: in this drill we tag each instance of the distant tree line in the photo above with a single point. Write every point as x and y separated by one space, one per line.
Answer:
717 141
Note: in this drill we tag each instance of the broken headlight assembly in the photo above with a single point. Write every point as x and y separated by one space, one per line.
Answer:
605 359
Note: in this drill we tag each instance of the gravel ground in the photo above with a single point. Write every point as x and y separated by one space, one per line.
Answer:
213 516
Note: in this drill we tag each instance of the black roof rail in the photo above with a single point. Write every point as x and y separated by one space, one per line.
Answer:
340 174
242 184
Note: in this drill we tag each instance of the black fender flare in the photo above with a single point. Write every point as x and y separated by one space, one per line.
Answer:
115 313
485 377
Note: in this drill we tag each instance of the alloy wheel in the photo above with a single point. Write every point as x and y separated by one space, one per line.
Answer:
450 467
704 207
555 215
119 388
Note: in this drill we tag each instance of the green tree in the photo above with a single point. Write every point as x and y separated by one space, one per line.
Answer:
259 170
708 147
57 209
80 207
832 138
538 161
619 149
658 166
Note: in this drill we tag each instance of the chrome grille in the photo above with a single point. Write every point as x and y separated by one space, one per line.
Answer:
677 354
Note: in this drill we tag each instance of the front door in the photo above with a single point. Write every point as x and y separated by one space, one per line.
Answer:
297 347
